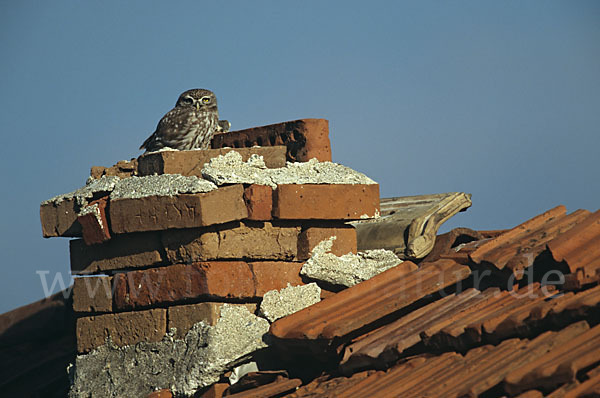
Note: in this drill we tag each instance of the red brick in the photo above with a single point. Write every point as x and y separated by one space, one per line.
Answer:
135 250
60 219
92 294
216 390
94 223
215 279
160 394
326 201
305 139
275 275
225 279
232 241
344 243
259 201
123 169
183 317
154 213
190 163
316 133
126 328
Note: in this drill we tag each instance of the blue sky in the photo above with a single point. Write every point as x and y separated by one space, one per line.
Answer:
500 99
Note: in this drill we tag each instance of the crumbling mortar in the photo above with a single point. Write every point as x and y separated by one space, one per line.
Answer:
230 169
349 269
183 365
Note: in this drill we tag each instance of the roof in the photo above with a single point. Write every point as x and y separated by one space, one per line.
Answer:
37 343
487 313
519 316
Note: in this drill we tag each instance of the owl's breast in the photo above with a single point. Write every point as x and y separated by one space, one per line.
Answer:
199 130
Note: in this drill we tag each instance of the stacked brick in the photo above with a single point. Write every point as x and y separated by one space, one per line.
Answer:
150 259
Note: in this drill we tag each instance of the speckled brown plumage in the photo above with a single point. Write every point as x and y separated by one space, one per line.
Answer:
191 124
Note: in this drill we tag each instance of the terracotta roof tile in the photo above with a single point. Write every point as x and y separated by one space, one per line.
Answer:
576 301
587 388
392 339
454 375
463 320
417 341
329 387
368 301
558 365
37 342
454 321
579 248
531 394
516 249
444 243
485 367
273 389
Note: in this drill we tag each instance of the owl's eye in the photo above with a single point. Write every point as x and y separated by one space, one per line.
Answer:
205 100
188 100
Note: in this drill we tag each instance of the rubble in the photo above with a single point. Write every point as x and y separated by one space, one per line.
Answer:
84 194
182 365
159 185
279 303
190 162
349 269
230 169
181 265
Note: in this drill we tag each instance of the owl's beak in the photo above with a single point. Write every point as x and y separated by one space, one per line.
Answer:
197 105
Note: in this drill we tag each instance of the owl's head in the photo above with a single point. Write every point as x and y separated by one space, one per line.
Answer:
198 98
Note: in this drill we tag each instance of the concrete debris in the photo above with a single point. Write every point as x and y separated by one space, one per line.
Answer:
160 185
165 149
183 366
349 269
240 371
134 187
86 193
231 169
279 303
92 209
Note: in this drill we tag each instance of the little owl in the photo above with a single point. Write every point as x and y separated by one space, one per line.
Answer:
191 124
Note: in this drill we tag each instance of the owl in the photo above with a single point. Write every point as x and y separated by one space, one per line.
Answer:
191 124
224 126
